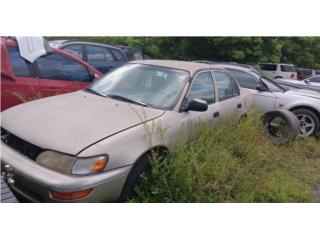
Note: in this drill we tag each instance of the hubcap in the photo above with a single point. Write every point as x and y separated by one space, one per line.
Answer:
307 124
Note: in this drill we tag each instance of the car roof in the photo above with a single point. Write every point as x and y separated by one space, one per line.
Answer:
60 43
288 64
191 67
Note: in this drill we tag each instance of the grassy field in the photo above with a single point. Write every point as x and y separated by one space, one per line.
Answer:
235 163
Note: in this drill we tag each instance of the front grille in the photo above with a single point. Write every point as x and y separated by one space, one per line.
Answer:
25 148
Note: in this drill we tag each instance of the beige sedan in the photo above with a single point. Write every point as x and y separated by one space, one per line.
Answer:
92 145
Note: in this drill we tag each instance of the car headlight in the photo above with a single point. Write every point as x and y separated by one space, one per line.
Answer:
68 164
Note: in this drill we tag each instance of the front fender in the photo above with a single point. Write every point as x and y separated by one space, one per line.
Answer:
126 147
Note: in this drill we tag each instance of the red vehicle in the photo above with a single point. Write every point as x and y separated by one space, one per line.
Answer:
54 73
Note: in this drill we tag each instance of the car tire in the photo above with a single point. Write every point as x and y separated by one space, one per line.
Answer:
287 118
142 165
312 119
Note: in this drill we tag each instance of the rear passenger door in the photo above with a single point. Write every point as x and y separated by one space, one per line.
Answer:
228 93
60 74
102 58
23 86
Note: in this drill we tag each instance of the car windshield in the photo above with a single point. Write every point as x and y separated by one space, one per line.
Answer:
273 87
153 86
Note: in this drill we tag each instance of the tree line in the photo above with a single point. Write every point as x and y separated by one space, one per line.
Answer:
300 51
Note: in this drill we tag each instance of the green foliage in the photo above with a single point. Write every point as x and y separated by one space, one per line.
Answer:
301 51
234 163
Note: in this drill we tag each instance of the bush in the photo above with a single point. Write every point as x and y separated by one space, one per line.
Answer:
234 163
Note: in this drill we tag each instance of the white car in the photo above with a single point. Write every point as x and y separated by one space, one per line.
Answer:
309 82
268 95
278 70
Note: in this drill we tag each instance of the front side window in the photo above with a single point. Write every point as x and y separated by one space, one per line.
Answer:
158 87
99 54
19 64
202 88
75 49
245 80
227 88
268 67
57 67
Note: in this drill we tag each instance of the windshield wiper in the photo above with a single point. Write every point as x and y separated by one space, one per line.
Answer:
125 99
93 92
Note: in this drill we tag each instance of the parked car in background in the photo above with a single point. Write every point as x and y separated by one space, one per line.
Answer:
96 152
278 70
312 83
132 53
54 73
268 95
103 57
304 73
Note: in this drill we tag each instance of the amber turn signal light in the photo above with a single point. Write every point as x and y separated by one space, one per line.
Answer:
71 195
98 165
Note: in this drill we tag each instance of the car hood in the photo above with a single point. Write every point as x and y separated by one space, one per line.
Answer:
70 122
304 93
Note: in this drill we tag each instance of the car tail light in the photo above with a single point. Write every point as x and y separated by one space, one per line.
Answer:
71 195
292 75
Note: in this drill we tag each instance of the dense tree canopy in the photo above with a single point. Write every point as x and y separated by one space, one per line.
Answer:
301 51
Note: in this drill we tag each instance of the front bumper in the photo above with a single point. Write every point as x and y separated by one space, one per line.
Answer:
34 181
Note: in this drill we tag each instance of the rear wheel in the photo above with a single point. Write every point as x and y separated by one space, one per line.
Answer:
308 120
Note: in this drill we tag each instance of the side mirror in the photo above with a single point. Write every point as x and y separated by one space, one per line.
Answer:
197 105
260 87
7 76
93 75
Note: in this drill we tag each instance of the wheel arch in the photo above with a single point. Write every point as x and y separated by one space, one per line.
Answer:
162 149
315 111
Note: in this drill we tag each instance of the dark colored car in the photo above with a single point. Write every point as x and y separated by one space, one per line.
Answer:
103 57
52 74
304 73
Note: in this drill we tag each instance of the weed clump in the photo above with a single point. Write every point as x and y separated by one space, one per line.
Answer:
234 163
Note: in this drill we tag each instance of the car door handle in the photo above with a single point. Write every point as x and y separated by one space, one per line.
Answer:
239 105
216 114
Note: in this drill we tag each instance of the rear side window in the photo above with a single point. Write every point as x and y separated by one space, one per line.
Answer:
227 88
118 56
202 88
245 80
133 54
99 54
76 50
19 64
268 67
287 68
57 67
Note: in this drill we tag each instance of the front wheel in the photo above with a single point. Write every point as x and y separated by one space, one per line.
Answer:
142 165
308 120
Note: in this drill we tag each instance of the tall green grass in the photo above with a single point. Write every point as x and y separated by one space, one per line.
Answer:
234 163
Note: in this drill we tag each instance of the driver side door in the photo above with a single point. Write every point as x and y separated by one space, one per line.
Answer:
202 88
